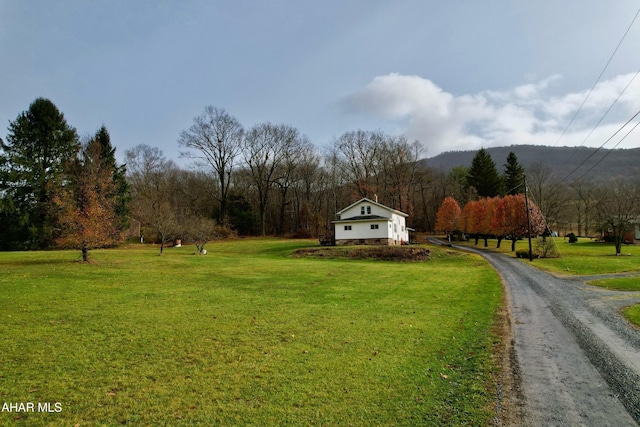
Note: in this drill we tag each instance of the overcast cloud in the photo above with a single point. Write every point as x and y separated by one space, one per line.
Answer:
526 114
455 75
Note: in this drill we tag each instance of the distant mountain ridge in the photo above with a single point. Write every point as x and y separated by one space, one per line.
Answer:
561 160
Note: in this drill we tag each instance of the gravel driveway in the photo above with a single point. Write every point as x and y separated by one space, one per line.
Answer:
577 360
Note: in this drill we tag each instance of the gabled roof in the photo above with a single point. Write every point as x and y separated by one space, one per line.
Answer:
367 200
363 218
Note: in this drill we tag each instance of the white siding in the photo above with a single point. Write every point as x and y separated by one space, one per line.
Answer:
395 228
400 232
355 211
362 230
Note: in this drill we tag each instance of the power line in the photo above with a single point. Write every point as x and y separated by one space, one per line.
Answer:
599 77
603 144
598 124
614 147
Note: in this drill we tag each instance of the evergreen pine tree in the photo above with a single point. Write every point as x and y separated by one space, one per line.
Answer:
513 175
483 175
32 168
118 176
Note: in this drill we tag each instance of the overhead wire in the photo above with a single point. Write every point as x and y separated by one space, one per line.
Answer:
615 146
599 77
598 124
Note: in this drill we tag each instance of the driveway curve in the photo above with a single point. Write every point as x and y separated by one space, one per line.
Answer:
577 359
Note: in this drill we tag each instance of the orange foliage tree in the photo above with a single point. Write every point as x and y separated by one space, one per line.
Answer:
510 219
448 217
477 216
469 221
485 211
87 204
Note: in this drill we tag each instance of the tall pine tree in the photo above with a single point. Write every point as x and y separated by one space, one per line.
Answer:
32 167
118 177
513 175
483 175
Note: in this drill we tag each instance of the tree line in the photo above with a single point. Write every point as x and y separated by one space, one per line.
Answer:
608 209
265 179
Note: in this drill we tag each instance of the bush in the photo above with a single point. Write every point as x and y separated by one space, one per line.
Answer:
546 248
572 238
524 254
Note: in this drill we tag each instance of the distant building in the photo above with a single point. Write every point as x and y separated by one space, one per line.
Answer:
367 222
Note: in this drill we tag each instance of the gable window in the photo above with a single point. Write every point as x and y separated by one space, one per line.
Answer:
368 210
347 227
362 210
374 226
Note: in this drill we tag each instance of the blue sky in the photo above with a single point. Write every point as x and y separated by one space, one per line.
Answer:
453 75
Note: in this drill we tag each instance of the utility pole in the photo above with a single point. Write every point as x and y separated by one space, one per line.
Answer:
526 202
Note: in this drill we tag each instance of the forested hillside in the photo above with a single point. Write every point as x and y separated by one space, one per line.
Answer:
602 165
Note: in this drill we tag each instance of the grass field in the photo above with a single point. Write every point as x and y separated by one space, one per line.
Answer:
246 335
618 284
633 314
586 257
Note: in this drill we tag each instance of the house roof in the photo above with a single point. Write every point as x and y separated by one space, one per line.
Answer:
363 218
367 200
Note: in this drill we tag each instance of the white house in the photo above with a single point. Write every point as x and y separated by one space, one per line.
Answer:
369 223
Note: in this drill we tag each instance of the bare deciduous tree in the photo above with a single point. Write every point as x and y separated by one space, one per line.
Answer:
618 209
583 201
265 147
546 190
358 152
216 138
152 180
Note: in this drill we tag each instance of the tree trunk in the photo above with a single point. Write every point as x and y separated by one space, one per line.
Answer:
618 242
513 244
85 254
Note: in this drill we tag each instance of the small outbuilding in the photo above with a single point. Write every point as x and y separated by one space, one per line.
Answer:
367 222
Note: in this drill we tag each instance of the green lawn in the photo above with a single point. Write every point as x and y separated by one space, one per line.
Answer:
618 284
246 335
586 257
633 314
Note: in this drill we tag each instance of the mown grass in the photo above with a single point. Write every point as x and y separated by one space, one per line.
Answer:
632 314
586 257
246 335
618 284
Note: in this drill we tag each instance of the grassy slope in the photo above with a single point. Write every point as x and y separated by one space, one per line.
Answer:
246 336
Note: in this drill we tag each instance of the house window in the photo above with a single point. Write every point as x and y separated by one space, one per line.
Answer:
374 226
347 228
362 210
368 210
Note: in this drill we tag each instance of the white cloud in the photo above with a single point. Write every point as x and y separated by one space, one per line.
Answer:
526 114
